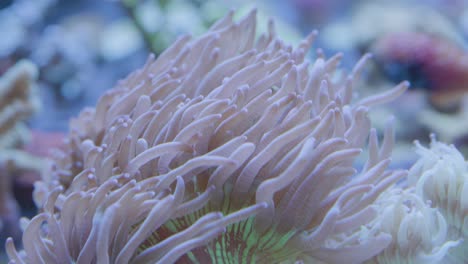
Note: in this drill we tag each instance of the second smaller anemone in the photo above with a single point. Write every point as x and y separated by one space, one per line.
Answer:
419 232
441 177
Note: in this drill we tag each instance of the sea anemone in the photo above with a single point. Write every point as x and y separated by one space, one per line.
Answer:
441 177
223 149
122 219
419 231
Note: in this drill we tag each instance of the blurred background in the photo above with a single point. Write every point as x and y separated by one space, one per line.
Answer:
59 56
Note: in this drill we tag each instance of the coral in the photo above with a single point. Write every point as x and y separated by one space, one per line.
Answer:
429 62
229 149
17 102
399 16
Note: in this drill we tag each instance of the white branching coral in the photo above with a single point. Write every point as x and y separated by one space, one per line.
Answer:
441 177
223 133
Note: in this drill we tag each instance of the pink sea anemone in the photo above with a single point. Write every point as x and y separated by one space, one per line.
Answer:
226 148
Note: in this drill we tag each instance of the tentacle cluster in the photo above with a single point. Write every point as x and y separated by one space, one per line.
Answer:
441 177
226 148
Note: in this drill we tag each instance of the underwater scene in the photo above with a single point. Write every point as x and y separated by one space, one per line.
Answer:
234 131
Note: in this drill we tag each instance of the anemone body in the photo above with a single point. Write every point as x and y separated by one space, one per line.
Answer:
224 149
441 177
